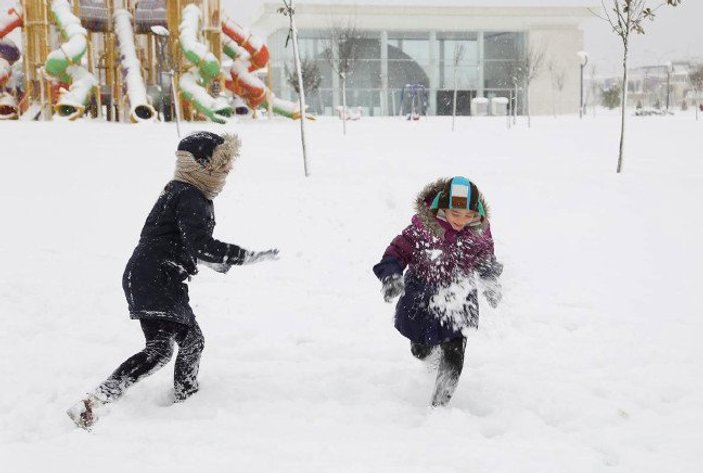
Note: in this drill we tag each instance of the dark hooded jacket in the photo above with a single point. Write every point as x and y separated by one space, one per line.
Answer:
177 234
440 299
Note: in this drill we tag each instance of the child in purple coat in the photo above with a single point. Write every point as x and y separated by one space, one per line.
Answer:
448 253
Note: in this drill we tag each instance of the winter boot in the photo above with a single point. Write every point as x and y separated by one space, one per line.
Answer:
447 380
450 367
182 393
85 413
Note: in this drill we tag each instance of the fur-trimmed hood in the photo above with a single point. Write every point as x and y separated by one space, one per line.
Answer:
428 216
226 153
208 175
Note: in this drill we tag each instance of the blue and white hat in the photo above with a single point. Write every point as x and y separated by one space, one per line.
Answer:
459 193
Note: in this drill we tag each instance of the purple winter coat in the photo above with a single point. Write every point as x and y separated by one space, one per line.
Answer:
440 298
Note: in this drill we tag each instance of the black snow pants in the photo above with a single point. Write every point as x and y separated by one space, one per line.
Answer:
160 336
451 364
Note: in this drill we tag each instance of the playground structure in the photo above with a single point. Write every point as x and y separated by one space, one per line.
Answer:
414 101
121 59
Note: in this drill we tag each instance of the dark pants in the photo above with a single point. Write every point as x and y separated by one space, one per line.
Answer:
450 366
160 336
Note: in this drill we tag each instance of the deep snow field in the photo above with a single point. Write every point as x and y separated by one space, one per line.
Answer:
593 363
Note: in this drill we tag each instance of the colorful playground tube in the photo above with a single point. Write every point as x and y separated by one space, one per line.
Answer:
258 52
249 55
5 70
232 49
10 19
64 63
216 109
139 108
9 54
8 107
8 103
206 68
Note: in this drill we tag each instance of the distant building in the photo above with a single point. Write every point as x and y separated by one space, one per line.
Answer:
655 86
413 42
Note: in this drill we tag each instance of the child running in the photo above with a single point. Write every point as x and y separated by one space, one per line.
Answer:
446 248
176 237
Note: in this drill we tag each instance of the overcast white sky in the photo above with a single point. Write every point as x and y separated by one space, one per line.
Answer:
676 33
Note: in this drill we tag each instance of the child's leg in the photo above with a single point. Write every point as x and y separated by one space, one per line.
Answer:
159 336
450 367
185 376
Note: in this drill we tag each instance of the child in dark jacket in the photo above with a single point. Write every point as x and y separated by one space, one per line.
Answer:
176 237
446 248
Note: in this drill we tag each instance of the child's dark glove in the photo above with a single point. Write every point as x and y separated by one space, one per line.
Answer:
252 257
393 286
493 292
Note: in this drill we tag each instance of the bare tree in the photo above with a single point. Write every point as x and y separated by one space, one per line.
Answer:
594 89
288 10
524 70
515 77
459 50
626 17
312 78
343 47
558 76
695 77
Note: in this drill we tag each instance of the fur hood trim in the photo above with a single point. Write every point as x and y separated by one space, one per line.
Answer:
225 154
428 217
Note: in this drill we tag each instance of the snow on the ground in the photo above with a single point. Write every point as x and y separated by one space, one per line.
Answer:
592 363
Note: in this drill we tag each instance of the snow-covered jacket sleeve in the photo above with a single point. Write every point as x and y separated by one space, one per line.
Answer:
196 224
398 255
487 265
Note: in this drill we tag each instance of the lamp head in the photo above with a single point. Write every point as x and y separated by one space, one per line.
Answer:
583 56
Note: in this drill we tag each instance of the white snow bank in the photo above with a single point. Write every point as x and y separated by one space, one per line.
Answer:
591 364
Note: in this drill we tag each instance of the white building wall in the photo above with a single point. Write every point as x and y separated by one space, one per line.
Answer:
561 47
558 28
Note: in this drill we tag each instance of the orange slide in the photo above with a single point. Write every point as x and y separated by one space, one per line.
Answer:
251 54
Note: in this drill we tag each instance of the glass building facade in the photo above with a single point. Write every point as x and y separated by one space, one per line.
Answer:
393 65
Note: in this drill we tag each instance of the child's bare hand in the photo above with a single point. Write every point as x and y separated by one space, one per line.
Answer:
393 286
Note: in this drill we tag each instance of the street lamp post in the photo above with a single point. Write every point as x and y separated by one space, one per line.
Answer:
162 34
160 43
583 56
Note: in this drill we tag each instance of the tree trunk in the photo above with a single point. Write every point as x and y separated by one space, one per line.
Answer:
623 105
509 111
515 107
527 104
554 102
454 103
301 95
344 104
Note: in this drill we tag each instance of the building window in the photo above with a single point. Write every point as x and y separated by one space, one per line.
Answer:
466 70
502 52
411 61
502 45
